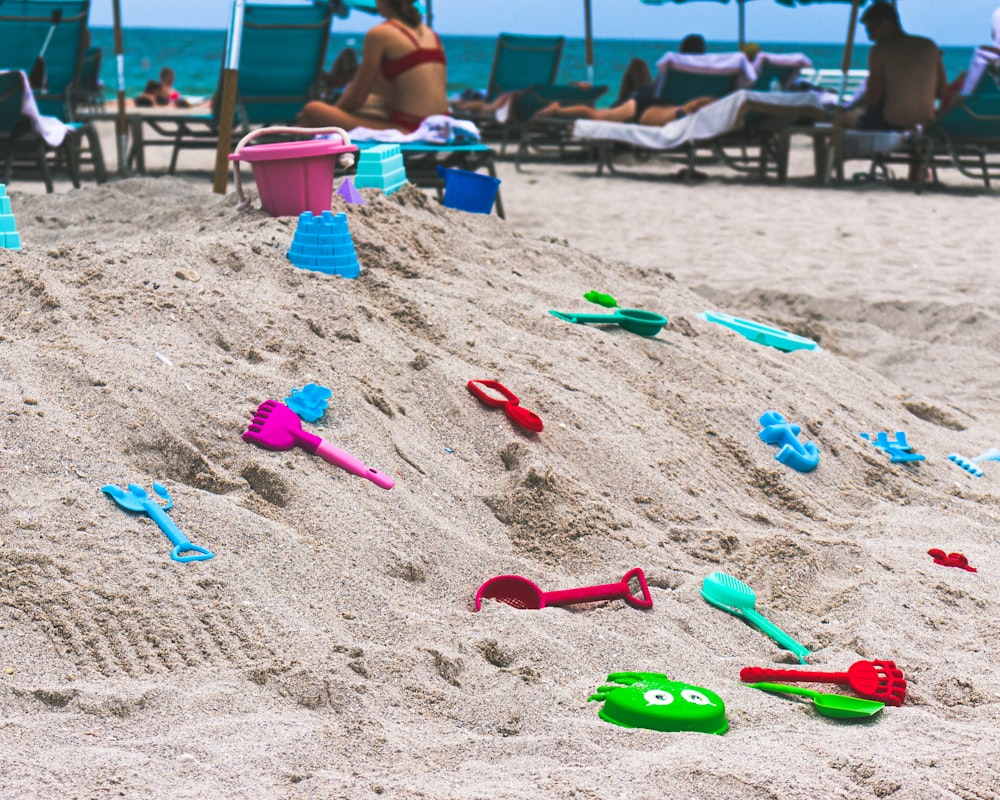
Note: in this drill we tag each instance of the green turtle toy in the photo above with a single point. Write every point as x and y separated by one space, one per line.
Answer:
651 700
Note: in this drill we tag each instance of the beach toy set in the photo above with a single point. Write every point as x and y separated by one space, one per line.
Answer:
309 402
323 243
293 176
518 592
381 167
136 499
10 239
508 401
276 427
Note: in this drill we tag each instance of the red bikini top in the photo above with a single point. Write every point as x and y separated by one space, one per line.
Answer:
393 68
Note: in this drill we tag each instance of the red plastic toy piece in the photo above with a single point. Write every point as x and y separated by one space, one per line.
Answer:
509 403
950 559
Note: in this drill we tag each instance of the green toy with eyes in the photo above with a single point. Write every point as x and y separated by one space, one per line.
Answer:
651 700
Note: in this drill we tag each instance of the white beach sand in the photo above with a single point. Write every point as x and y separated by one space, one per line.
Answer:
329 650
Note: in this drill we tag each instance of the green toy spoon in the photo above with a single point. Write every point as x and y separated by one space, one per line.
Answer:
835 706
643 323
733 595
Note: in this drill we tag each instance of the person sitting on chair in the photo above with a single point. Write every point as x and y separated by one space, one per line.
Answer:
403 64
905 73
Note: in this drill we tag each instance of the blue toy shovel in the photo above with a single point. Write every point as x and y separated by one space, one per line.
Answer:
136 499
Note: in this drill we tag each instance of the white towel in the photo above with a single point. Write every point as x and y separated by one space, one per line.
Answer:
981 59
707 64
52 129
720 117
436 129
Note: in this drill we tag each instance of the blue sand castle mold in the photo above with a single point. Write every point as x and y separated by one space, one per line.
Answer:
381 167
349 193
899 449
761 334
10 239
323 243
309 402
802 456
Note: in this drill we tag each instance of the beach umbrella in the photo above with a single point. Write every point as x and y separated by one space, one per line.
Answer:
371 7
230 77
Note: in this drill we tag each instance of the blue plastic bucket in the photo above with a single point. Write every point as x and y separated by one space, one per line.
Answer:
469 191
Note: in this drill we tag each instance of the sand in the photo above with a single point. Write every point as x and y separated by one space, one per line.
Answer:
330 650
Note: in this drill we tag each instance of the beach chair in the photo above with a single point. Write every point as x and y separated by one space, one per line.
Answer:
88 91
519 62
967 136
23 144
24 27
778 71
282 55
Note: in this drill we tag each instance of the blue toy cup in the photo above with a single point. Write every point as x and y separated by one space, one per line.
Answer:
468 191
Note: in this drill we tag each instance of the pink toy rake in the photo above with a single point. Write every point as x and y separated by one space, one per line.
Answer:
521 593
276 427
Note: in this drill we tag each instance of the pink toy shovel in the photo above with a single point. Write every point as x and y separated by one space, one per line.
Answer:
276 427
521 593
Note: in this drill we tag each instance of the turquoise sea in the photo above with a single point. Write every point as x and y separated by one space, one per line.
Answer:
196 56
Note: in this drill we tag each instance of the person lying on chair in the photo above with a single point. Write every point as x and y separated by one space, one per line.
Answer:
636 96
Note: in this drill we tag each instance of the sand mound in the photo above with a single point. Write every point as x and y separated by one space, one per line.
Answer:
329 649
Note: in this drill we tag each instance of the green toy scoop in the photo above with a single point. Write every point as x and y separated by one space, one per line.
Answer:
835 706
733 595
634 320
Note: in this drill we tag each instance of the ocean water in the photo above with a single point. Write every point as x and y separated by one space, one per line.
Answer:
196 56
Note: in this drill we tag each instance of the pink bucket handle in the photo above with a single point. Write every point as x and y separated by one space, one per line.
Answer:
345 159
607 591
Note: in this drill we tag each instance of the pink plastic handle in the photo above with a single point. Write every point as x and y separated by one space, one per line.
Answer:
355 466
754 674
607 591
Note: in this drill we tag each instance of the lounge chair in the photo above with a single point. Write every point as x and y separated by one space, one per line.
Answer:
967 136
519 62
715 127
778 71
30 139
88 91
281 57
24 27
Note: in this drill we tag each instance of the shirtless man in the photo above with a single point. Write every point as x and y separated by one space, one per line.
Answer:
905 73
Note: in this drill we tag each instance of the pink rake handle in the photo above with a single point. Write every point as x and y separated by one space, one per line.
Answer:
607 591
344 460
755 674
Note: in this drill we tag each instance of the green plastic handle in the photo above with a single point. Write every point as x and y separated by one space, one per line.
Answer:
781 687
772 630
607 319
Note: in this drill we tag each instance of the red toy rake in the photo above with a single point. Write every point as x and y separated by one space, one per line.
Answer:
875 680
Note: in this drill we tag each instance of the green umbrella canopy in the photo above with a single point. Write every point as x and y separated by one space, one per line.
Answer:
344 7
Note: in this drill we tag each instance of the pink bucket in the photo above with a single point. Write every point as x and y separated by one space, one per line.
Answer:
293 177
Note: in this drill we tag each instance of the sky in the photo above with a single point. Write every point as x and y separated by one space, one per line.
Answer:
957 22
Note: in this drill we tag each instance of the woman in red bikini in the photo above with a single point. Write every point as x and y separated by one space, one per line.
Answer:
402 78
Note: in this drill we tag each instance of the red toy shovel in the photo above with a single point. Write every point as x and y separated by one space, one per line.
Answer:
875 680
521 593
509 402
